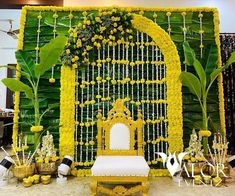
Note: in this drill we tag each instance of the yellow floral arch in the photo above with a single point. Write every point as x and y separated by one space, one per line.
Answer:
173 69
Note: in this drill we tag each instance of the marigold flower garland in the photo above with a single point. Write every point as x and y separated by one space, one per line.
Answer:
67 111
173 69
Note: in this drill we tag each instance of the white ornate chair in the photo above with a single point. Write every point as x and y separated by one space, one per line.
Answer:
117 159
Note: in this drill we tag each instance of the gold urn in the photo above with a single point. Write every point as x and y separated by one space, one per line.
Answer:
23 171
47 168
195 167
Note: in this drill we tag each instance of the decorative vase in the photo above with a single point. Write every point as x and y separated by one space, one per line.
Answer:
225 168
23 171
195 167
47 168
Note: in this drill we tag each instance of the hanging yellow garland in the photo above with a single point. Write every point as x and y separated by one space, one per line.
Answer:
17 94
67 111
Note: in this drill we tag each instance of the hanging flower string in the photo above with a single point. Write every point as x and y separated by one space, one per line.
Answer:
38 36
157 97
153 106
168 14
148 111
87 113
201 32
55 16
184 29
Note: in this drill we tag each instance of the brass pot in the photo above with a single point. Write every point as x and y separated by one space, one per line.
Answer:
194 167
225 168
21 172
47 168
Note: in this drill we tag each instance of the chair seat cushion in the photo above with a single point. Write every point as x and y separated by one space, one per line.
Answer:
120 166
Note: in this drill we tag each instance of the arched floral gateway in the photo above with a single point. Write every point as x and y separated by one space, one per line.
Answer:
115 55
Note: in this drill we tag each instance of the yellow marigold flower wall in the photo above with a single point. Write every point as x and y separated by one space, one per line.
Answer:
67 111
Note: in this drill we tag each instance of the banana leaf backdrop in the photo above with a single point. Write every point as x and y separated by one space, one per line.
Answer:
227 47
50 93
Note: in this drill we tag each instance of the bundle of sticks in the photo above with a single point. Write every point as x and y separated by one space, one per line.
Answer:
26 161
220 147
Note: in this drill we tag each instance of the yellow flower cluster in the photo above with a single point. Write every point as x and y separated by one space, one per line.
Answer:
85 124
19 149
218 146
159 172
47 159
155 121
205 133
86 163
52 80
36 129
148 121
91 102
123 81
160 139
100 63
83 173
157 101
67 111
81 143
173 65
154 162
192 159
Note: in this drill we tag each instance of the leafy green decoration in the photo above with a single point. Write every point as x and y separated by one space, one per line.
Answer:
49 55
25 61
200 72
16 85
189 54
192 82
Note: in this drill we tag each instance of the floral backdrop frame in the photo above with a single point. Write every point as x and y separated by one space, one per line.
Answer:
67 109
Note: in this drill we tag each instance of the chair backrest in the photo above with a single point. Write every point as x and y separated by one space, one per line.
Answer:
116 135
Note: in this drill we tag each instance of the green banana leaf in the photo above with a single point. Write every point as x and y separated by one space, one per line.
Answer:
16 85
49 55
